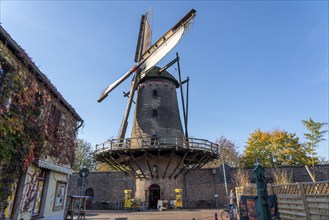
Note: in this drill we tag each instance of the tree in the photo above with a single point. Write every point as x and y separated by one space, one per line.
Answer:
274 149
314 137
228 153
104 167
83 156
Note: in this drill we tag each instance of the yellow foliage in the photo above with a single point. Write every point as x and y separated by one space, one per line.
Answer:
274 149
103 167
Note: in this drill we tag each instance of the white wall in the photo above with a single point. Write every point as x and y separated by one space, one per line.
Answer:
50 191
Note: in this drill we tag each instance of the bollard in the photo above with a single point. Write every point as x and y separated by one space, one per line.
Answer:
216 217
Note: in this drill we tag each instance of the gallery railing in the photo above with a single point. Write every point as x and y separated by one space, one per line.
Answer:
157 142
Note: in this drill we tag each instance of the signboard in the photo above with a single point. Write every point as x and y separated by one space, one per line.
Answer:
248 209
83 173
59 196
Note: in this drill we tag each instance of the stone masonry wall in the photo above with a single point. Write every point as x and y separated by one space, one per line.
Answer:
200 186
205 188
107 188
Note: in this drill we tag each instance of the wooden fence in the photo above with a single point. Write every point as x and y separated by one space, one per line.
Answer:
297 200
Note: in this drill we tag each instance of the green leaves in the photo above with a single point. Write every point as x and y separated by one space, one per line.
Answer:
83 156
315 135
25 122
274 149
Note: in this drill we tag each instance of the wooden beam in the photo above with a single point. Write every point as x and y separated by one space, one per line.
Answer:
113 165
120 168
182 95
127 164
137 164
148 164
158 168
184 167
196 164
171 155
205 162
182 160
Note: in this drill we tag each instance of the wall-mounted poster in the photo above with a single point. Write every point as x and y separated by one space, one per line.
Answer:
248 209
59 195
37 200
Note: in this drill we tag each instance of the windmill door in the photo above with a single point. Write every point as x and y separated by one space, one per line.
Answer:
154 196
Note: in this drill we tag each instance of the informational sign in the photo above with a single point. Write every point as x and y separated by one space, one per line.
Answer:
37 201
59 196
83 173
248 209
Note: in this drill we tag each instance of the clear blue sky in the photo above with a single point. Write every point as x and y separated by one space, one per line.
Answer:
252 64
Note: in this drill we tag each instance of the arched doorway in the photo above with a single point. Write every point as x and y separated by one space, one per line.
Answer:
89 192
154 196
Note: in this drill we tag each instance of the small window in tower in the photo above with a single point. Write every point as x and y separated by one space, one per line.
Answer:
155 92
154 140
154 112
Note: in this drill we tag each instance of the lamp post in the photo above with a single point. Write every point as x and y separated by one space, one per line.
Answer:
214 171
83 173
225 184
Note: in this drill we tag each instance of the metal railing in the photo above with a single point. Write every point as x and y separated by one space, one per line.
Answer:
157 142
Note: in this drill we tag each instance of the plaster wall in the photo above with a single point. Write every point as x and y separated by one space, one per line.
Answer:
49 212
47 208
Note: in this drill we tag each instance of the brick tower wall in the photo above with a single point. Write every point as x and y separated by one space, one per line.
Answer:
157 112
167 185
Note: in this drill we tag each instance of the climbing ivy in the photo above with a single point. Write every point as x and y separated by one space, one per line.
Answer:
32 123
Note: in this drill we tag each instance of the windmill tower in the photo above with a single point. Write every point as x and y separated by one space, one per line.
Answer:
159 152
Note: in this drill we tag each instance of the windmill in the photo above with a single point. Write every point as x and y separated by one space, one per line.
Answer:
147 56
158 153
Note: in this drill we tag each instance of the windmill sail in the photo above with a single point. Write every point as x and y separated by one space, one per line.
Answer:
163 50
144 37
157 51
168 41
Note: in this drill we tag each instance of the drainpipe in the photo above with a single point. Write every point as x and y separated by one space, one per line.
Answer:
79 126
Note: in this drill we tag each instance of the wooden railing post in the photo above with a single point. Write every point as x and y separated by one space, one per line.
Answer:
302 193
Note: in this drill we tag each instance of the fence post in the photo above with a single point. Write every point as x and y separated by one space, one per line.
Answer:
302 193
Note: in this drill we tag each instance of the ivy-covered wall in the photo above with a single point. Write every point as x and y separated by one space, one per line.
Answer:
35 122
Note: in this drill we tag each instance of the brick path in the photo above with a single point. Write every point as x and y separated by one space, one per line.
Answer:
189 214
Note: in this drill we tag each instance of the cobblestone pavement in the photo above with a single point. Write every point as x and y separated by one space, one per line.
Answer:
189 214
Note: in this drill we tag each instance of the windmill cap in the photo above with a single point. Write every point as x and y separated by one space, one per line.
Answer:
154 73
